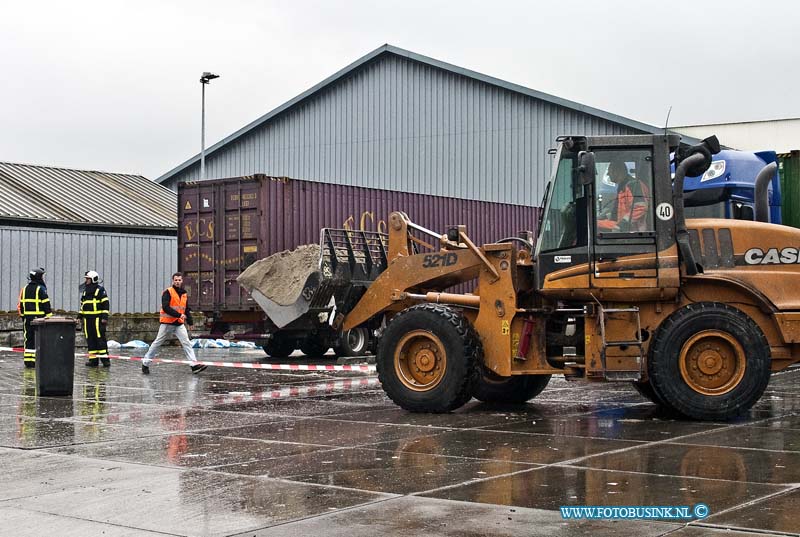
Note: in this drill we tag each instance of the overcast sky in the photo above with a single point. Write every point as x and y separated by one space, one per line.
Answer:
113 86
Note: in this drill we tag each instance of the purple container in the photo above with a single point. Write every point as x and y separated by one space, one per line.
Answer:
225 225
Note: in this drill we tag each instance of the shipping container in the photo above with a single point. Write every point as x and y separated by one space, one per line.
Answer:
226 225
789 166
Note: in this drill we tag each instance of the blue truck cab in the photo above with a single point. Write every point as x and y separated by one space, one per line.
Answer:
727 188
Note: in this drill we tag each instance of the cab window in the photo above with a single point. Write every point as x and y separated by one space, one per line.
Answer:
624 191
563 215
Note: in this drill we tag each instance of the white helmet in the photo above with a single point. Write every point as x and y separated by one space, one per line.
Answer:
94 276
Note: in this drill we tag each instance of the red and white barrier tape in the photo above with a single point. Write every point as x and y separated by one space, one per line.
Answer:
242 365
322 388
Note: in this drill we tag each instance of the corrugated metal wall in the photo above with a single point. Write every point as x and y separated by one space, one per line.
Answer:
135 268
398 124
789 164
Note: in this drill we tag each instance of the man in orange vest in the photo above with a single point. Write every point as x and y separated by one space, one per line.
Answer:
175 315
630 208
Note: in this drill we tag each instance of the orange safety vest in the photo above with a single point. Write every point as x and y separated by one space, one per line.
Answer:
176 302
631 205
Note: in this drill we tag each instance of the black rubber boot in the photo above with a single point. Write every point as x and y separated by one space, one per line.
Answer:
91 362
106 362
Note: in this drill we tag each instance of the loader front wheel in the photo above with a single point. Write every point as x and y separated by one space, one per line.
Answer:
518 389
427 359
709 361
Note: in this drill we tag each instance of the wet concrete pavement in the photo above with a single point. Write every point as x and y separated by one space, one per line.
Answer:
254 452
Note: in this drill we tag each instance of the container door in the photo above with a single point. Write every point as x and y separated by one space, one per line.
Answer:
196 242
238 240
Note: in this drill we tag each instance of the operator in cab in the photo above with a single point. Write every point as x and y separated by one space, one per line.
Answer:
629 210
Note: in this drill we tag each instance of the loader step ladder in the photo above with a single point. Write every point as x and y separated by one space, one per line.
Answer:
637 343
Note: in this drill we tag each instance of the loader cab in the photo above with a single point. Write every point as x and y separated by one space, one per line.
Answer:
608 226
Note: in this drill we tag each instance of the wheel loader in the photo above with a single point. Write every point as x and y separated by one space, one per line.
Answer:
696 313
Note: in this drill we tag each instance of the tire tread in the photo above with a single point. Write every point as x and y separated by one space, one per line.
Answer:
726 406
472 357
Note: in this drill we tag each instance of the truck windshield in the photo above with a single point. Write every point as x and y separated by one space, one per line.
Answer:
559 223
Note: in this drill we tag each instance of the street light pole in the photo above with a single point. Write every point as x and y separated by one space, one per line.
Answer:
204 79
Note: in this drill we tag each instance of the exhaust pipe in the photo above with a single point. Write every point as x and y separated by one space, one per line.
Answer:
692 160
681 233
761 196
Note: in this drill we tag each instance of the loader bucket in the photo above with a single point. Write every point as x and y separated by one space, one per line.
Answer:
349 262
284 315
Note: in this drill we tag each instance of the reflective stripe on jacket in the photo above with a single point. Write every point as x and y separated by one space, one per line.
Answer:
94 302
33 301
176 302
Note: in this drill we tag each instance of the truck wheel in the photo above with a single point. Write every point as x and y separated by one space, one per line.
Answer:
354 342
427 359
492 388
709 361
313 348
278 347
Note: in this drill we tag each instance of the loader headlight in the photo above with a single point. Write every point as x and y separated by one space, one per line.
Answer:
716 169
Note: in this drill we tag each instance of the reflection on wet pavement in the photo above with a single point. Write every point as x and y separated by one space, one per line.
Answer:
376 470
709 462
778 514
553 486
412 516
187 450
326 432
540 449
168 500
259 452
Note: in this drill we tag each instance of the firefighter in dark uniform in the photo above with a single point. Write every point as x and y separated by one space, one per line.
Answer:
94 312
33 304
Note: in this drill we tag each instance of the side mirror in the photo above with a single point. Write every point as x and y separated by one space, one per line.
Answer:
586 169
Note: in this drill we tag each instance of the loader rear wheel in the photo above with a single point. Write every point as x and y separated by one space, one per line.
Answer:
279 347
492 388
427 359
313 348
709 361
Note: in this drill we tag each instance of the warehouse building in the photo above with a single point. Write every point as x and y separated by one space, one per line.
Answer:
779 135
397 120
70 221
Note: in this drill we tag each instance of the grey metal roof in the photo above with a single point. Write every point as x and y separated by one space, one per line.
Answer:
389 49
83 197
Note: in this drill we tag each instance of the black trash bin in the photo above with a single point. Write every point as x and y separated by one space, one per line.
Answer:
55 355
